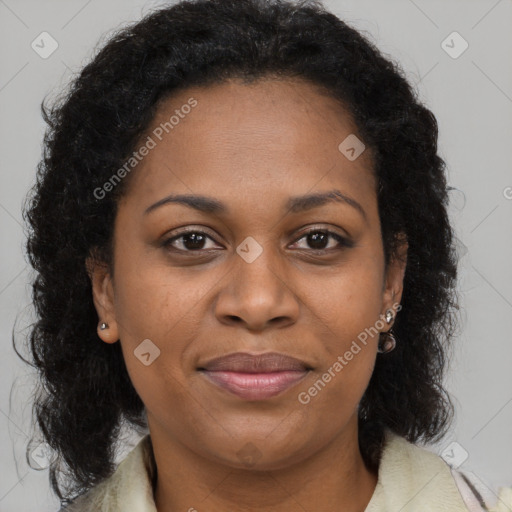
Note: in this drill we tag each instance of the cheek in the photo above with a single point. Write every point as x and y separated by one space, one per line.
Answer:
348 359
345 315
345 301
154 300
165 306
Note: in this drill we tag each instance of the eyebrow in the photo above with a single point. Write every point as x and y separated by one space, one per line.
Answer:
295 204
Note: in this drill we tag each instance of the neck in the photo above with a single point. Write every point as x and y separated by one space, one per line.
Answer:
334 478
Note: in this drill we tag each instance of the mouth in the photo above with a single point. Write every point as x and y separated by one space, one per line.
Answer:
255 377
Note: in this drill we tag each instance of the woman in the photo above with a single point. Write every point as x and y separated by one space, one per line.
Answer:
243 251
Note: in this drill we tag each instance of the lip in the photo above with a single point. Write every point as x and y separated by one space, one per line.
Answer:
255 376
255 386
246 362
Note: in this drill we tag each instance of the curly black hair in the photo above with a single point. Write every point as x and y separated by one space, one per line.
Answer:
84 393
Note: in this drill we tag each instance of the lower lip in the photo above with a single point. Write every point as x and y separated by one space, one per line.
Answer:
255 386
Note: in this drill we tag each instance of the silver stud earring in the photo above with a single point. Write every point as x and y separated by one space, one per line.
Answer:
389 316
103 326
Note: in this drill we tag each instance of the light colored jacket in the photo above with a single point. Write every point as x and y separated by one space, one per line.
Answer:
410 479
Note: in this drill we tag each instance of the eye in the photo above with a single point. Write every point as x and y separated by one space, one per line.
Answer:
195 240
319 240
192 240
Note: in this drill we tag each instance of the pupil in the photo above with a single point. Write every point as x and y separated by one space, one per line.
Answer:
195 238
315 237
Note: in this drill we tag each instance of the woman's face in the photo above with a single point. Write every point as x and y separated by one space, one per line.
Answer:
250 279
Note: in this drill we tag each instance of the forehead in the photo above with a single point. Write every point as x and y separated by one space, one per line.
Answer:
268 135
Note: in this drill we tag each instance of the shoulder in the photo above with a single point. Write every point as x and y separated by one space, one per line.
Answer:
412 478
128 488
469 492
479 497
417 479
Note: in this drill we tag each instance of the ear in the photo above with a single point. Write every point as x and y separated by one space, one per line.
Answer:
394 279
103 298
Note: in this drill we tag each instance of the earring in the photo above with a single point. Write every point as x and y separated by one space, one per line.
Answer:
103 326
387 340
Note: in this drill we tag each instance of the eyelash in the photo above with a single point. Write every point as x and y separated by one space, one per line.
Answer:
342 241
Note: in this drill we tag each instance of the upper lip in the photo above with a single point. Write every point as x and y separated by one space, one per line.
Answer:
259 363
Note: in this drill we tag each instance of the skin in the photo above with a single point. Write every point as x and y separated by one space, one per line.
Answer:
252 147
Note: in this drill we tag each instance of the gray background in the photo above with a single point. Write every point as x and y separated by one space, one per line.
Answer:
471 97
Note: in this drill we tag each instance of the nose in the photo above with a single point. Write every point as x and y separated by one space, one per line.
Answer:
258 294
